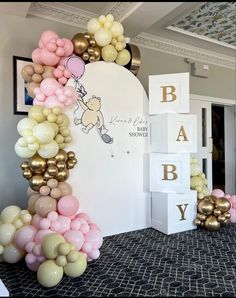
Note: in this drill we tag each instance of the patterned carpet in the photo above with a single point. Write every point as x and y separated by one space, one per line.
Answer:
146 263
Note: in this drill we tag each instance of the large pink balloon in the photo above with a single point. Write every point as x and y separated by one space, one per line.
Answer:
49 86
47 35
218 193
68 205
75 237
41 234
68 47
25 235
94 237
52 101
76 66
36 57
65 224
48 58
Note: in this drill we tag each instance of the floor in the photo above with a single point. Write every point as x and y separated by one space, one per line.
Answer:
146 263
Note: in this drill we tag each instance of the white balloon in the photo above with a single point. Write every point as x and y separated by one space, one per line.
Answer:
12 254
10 213
48 150
117 29
7 232
44 133
103 37
23 152
25 124
109 53
93 25
123 57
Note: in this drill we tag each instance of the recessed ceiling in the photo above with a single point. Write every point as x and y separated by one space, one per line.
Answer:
213 21
94 7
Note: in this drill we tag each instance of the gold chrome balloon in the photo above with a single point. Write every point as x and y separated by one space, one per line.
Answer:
211 199
61 165
201 216
85 56
92 42
51 162
62 175
52 170
24 165
37 164
61 155
205 207
27 173
36 182
221 218
227 215
217 212
87 35
70 154
80 43
211 223
222 204
197 222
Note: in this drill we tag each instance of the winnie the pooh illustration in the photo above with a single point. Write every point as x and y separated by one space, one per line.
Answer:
92 115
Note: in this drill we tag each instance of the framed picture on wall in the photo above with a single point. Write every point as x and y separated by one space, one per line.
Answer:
22 100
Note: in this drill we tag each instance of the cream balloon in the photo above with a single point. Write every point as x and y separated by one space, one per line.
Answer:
23 152
10 213
7 233
110 18
93 25
123 57
117 29
103 37
50 244
195 169
25 124
102 19
109 53
76 268
12 254
49 274
54 126
36 113
48 150
44 133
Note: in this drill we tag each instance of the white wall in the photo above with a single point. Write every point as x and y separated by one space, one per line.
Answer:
19 36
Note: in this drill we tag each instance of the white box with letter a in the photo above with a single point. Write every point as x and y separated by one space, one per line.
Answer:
170 172
174 212
169 93
173 133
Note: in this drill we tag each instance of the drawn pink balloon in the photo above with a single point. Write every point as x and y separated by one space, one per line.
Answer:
218 193
68 205
75 237
76 66
49 86
46 36
36 56
68 46
24 235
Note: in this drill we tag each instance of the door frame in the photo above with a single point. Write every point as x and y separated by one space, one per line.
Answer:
230 139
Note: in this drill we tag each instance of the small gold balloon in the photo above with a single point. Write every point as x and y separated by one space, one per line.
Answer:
51 162
36 182
221 218
24 165
90 50
211 223
71 154
38 164
226 221
87 35
92 59
210 198
222 204
85 56
197 222
97 53
217 212
92 42
205 207
70 165
61 165
27 173
61 155
202 223
74 160
201 216
52 170
80 43
47 176
227 215
62 175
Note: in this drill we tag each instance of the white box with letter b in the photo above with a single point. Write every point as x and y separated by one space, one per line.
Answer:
174 212
173 133
169 93
169 172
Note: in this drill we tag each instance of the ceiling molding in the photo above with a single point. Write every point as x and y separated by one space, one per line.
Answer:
172 47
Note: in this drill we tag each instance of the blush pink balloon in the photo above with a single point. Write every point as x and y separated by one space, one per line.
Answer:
24 235
227 196
68 46
33 266
232 212
49 86
36 221
41 234
84 216
48 58
52 101
95 238
233 201
68 205
65 223
94 254
36 56
218 193
75 237
46 36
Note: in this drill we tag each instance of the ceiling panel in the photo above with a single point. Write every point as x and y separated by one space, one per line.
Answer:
94 7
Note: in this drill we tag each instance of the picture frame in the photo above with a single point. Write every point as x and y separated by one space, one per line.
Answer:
22 101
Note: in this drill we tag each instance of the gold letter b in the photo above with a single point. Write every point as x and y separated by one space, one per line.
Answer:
165 93
172 171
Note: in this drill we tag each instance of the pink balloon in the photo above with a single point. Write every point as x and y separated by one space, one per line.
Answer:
65 223
218 193
46 36
84 216
75 237
52 101
36 56
75 224
93 226
33 266
94 254
68 205
233 215
49 86
87 247
233 201
36 221
95 238
24 235
48 58
76 65
68 46
41 234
